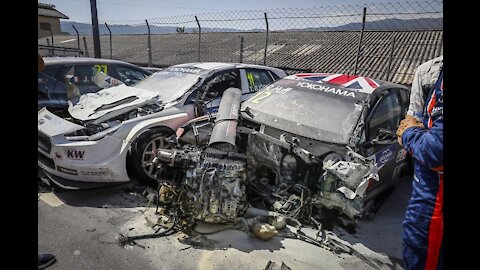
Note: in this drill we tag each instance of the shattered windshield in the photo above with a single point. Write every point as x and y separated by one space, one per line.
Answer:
309 109
173 82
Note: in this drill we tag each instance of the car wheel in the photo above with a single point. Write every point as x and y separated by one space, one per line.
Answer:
144 151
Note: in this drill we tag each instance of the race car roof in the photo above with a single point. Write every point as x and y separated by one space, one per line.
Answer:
350 82
224 65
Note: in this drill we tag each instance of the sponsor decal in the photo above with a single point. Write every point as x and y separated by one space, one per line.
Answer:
278 89
74 154
386 154
437 111
65 170
95 173
402 154
58 155
47 117
41 121
326 89
184 70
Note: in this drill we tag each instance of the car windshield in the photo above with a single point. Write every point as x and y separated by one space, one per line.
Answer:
328 115
171 83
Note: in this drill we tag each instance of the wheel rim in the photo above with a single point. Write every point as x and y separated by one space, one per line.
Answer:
149 153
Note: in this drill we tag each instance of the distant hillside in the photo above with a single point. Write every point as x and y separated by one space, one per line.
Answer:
388 24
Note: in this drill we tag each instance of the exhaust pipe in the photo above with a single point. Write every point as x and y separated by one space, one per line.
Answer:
225 129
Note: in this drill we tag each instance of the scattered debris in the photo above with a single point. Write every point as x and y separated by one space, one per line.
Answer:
264 231
91 230
218 183
198 240
274 266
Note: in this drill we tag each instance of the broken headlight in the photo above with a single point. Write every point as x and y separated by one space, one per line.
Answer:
93 132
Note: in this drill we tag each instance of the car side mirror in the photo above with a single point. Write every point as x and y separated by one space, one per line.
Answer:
384 136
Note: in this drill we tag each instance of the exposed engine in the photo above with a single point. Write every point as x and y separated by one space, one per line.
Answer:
214 182
288 179
214 177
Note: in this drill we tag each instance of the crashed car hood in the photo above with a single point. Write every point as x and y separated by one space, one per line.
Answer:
91 106
52 125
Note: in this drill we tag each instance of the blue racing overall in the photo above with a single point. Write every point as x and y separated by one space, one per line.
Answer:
423 224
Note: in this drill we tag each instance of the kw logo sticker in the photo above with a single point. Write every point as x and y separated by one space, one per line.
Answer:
75 154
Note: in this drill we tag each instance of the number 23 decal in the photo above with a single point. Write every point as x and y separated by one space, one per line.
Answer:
259 96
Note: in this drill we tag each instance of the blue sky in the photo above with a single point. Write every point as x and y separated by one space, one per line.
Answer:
79 10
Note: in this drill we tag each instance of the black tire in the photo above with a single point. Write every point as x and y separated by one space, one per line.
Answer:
142 153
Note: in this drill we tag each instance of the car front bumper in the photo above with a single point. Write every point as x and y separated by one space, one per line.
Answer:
102 161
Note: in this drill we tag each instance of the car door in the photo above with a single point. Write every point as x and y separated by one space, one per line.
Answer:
253 80
386 113
129 75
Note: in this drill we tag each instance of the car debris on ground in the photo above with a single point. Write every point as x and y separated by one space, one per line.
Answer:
208 183
231 168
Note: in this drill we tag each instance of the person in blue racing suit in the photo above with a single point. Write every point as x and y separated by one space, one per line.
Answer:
423 223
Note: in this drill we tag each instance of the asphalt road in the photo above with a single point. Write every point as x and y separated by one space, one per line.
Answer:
80 228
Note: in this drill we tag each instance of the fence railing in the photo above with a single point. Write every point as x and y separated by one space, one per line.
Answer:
384 40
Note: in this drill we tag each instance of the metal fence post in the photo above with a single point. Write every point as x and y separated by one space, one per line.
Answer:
361 40
85 45
78 36
199 39
49 50
266 40
110 33
392 48
95 31
149 45
241 49
51 34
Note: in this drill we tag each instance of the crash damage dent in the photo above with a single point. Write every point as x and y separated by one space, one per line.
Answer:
95 152
118 99
344 183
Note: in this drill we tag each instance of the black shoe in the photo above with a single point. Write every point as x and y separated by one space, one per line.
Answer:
45 260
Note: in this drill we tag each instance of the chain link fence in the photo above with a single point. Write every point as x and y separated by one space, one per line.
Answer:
383 41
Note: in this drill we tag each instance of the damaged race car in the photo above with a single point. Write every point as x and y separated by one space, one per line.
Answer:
115 133
305 147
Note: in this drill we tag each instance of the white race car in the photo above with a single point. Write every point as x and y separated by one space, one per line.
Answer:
116 132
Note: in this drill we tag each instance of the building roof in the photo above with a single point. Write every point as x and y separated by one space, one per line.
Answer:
48 10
